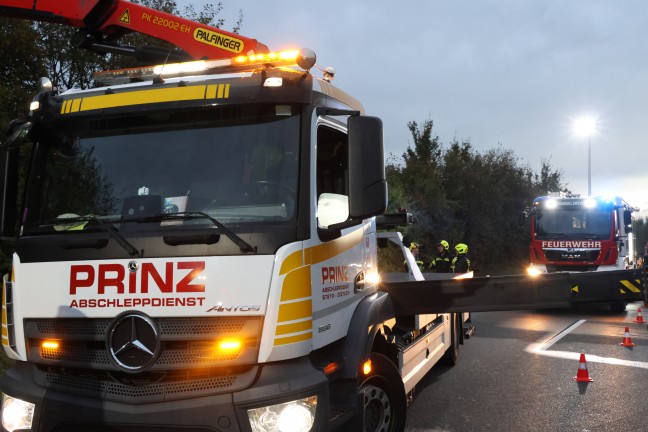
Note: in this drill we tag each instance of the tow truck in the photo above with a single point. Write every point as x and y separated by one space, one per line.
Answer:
197 247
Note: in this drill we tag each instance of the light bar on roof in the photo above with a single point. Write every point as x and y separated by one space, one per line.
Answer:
200 67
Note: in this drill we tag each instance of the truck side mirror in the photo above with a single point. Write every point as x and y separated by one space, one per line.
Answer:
18 133
627 220
521 220
367 181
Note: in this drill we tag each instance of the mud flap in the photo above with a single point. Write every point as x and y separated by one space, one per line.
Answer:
518 292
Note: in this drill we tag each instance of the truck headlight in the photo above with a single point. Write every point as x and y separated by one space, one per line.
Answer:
16 413
294 416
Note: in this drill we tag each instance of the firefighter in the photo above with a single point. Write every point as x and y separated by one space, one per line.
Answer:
415 249
461 263
443 261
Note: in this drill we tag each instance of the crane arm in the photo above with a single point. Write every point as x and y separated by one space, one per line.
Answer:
107 20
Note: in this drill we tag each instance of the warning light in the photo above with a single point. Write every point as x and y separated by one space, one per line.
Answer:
366 367
304 58
331 367
373 277
282 56
50 344
229 346
180 68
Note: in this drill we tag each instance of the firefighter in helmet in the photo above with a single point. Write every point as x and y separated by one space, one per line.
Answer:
415 249
461 263
443 260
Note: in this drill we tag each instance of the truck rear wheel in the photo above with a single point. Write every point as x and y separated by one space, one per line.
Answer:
382 396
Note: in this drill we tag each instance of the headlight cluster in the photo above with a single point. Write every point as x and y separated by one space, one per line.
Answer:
16 413
294 416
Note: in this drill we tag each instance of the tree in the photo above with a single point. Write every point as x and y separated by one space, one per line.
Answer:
464 196
21 66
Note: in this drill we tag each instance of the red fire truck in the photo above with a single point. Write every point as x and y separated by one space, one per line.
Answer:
574 233
570 233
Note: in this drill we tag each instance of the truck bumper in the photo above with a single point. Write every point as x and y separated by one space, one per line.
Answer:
276 383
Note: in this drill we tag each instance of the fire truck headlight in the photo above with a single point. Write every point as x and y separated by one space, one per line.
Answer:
551 204
295 416
533 271
16 413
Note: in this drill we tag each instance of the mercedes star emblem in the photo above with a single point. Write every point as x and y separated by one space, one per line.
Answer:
133 342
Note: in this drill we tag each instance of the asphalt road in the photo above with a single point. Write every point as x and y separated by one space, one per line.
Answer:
516 374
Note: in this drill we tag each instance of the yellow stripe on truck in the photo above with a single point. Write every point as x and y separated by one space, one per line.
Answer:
323 252
296 301
297 284
149 96
293 339
295 311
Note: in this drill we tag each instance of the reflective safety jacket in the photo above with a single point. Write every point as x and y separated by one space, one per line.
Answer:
442 263
461 264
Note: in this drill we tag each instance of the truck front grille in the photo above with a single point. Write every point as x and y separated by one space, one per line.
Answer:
188 364
579 255
148 389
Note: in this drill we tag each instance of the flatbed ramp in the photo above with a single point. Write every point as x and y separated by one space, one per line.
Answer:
517 292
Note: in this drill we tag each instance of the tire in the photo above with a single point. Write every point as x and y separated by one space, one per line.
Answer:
618 307
383 399
451 356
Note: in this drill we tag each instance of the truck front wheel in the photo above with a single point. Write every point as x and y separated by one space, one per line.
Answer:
382 398
451 356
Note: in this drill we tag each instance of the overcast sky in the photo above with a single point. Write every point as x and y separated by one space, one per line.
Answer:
511 73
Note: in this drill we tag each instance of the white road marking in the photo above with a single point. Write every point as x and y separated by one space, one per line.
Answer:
542 348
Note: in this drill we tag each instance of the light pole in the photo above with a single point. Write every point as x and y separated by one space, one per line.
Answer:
586 126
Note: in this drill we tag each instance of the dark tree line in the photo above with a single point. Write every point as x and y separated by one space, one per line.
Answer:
462 195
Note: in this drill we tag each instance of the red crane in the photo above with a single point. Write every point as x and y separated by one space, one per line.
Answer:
102 22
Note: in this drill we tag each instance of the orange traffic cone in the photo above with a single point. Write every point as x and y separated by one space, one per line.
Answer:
627 340
582 375
639 318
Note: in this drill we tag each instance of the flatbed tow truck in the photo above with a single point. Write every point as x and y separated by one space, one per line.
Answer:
197 246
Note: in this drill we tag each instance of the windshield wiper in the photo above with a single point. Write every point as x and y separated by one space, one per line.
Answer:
107 227
242 244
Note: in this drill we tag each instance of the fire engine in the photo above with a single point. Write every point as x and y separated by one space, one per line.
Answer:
197 246
571 233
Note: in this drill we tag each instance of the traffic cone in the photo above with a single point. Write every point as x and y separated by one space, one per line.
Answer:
627 340
582 375
639 318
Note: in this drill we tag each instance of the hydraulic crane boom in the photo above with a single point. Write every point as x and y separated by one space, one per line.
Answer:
103 21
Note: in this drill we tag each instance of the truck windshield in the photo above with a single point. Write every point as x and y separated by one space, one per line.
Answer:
236 173
573 224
